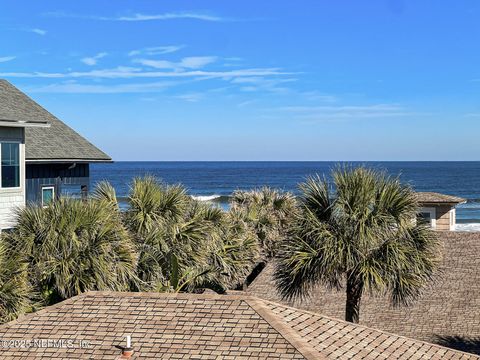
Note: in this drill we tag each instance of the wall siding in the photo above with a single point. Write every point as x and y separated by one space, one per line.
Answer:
443 218
56 175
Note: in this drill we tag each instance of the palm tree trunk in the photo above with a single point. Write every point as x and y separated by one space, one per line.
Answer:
354 296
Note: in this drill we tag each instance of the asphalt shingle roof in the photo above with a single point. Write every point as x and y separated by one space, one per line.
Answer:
203 326
58 142
437 198
447 312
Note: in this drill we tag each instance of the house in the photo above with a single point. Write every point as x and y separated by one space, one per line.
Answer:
41 156
438 210
446 312
113 325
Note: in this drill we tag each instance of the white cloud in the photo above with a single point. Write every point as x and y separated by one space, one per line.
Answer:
156 50
193 62
169 16
39 31
143 17
93 59
158 64
191 97
246 103
314 114
132 72
75 88
7 58
250 84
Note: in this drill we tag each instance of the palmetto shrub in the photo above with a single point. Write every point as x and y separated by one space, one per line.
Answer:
72 246
269 213
15 288
183 244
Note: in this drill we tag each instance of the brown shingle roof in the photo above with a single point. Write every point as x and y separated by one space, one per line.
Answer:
193 326
58 142
437 198
447 312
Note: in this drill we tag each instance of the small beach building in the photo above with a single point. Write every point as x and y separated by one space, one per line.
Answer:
438 210
41 157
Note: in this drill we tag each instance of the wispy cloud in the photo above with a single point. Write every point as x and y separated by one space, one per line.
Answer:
312 114
39 31
169 16
122 72
251 84
76 88
192 62
93 59
143 17
190 97
156 50
6 58
246 103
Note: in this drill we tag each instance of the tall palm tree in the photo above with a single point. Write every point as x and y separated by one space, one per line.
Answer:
364 235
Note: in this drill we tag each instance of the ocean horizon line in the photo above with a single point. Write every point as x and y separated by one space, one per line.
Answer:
298 161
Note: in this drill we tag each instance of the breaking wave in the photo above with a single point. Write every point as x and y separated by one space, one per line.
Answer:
471 227
207 197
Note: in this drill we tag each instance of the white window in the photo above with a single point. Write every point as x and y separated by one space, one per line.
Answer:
48 195
10 165
428 216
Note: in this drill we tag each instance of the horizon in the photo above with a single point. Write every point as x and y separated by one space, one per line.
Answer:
305 161
273 81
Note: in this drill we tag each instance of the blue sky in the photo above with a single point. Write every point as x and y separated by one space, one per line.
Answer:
254 80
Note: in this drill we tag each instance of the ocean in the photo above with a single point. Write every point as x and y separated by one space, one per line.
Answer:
215 181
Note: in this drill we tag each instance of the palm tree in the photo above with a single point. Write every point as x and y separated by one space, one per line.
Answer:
364 235
16 292
268 212
73 246
183 244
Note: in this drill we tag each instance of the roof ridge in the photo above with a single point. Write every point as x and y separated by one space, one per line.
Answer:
287 332
178 295
368 327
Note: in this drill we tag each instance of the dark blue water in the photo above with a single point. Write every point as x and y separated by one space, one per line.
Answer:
222 178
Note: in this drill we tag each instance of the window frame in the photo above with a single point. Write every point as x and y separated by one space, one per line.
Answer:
453 218
13 188
48 187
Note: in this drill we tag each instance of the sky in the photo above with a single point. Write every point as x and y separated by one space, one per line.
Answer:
254 80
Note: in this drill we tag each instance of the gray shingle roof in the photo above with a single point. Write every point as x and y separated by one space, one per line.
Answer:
15 106
58 142
197 326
